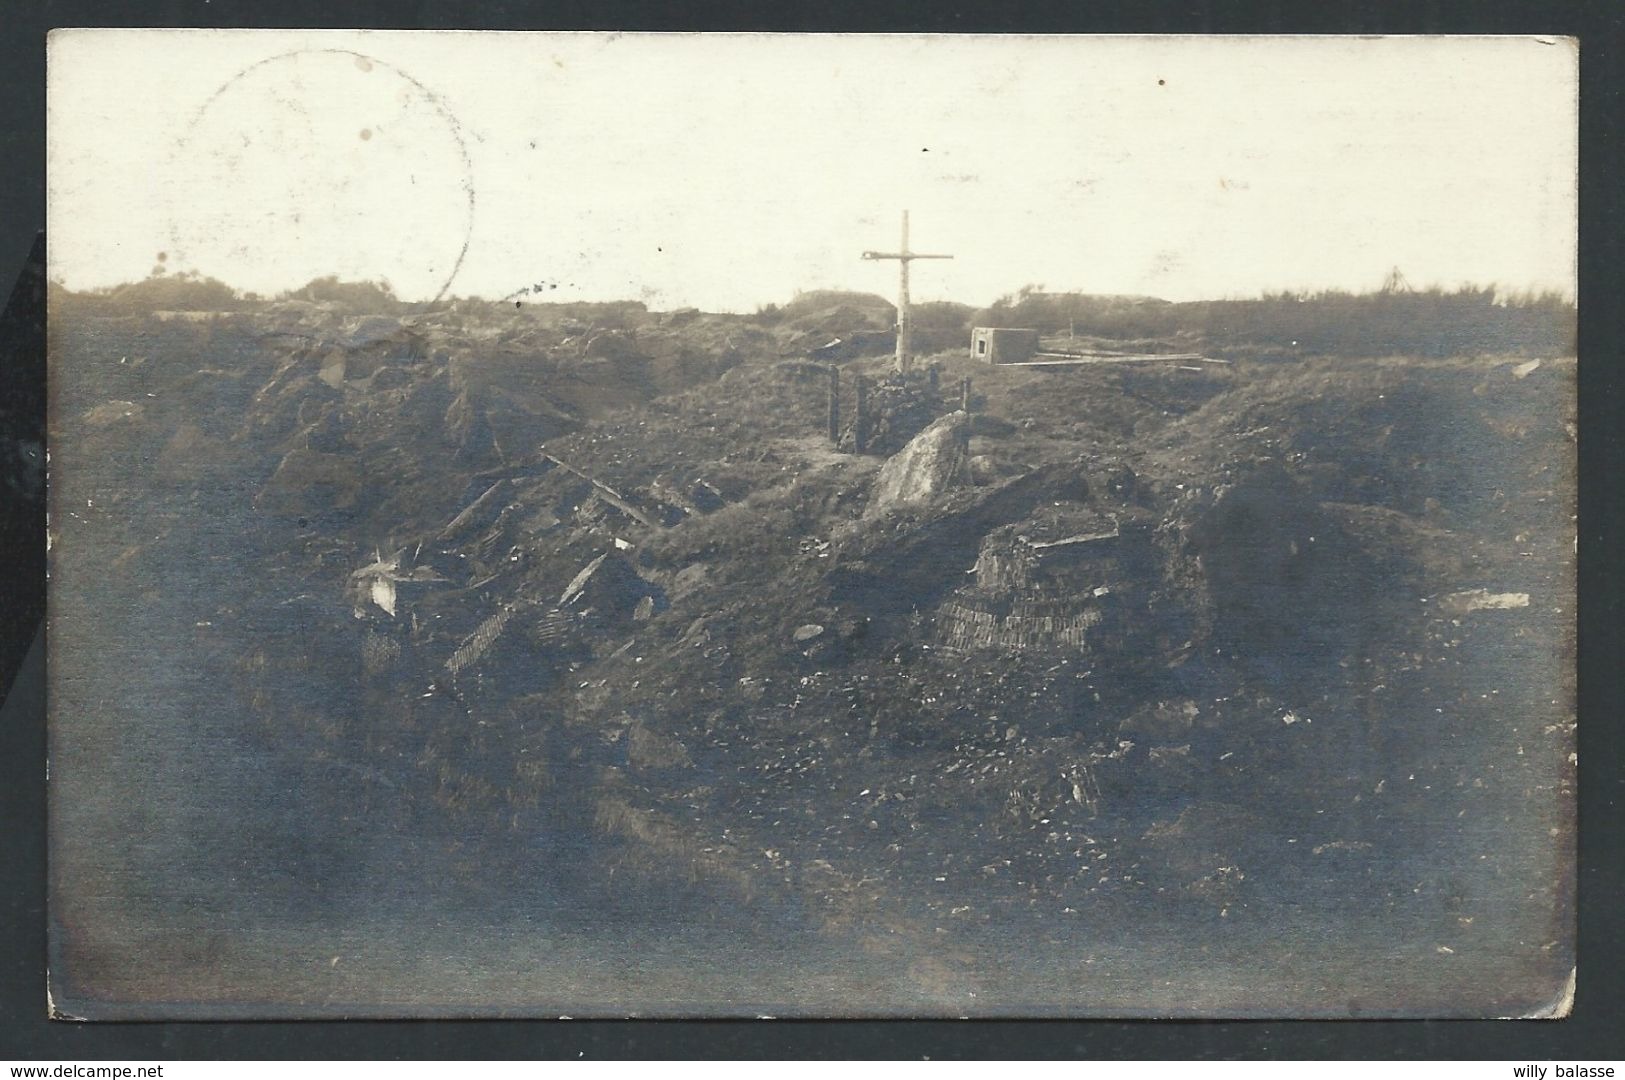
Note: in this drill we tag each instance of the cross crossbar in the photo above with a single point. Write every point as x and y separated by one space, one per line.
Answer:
905 321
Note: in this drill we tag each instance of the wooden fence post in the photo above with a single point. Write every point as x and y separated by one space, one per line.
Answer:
860 421
834 405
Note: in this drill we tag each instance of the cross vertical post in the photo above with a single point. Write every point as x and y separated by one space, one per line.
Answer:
834 405
905 322
905 318
860 421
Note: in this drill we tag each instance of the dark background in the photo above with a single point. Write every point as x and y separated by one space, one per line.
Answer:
1592 1031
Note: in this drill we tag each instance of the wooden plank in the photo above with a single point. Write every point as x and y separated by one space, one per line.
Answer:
1051 359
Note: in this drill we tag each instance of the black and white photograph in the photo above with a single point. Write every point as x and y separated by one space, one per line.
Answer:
744 525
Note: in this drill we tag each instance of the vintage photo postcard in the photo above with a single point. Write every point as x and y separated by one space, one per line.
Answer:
609 525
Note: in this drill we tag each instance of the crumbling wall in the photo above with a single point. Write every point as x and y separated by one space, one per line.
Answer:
1064 624
1027 597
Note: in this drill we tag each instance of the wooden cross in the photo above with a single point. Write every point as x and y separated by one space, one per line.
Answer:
905 321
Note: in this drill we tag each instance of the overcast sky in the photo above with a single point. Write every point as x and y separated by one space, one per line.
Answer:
730 171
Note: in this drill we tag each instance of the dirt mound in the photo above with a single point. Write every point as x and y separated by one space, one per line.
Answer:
1372 432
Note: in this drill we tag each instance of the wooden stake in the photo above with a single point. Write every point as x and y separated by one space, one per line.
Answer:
860 420
834 405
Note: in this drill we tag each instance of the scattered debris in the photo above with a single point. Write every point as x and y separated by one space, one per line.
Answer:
1483 600
1059 689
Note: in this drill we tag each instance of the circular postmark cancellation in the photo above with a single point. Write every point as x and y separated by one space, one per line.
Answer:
322 162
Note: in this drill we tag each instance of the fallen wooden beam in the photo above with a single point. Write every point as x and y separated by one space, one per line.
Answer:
1054 359
607 493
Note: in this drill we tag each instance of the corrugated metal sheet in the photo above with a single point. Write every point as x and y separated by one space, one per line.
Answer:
480 640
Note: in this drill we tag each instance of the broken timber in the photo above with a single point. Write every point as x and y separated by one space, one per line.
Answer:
1053 359
609 494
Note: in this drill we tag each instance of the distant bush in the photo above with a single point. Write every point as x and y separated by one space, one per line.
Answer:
585 314
768 315
819 300
942 315
1106 316
609 315
180 292
1432 322
359 297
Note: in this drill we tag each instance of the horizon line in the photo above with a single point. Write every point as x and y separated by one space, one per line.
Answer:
535 295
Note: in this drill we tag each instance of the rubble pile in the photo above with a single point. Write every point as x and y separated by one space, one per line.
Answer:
898 407
1227 646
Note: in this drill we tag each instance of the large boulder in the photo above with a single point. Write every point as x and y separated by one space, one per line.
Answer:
934 461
